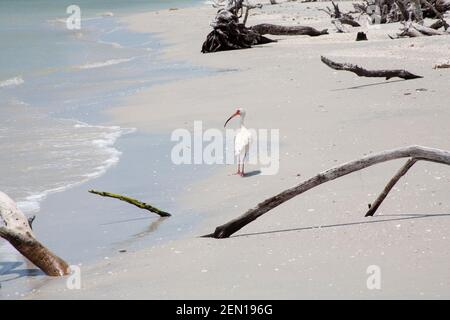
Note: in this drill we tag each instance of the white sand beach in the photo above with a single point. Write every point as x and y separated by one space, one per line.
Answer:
319 244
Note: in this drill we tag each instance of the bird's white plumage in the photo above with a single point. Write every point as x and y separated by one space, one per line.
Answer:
242 141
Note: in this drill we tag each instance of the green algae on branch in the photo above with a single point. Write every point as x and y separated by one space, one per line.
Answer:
132 201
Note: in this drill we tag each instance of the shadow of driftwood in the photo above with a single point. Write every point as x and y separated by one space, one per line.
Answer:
152 227
149 217
11 268
369 85
252 173
402 217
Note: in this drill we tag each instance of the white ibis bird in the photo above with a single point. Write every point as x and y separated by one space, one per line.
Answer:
242 141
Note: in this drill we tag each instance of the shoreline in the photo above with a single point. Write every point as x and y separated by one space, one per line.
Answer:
288 253
75 197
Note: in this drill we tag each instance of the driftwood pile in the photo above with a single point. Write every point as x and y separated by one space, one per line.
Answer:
410 13
389 11
229 33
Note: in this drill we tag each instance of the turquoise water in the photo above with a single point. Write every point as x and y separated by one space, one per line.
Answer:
34 40
54 83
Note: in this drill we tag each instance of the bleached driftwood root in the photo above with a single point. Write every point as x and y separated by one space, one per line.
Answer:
17 231
414 152
413 30
132 201
388 74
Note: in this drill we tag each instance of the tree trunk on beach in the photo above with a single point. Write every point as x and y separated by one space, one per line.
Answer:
17 231
414 152
266 28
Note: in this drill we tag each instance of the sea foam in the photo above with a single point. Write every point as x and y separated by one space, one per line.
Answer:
12 82
96 149
106 63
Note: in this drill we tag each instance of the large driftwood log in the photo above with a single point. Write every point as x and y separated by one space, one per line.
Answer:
132 201
415 152
17 231
267 28
388 74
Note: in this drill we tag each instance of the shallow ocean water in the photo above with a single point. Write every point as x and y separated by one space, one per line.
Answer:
55 82
54 86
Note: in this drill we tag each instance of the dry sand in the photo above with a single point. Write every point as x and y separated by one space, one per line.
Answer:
317 245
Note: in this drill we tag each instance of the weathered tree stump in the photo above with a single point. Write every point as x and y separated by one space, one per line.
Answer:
17 231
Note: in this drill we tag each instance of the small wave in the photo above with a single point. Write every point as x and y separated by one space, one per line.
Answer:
106 63
32 203
113 44
13 82
106 14
104 144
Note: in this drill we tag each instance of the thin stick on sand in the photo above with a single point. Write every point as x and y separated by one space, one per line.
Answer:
132 201
403 170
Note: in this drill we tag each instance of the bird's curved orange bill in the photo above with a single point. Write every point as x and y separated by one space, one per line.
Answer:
234 115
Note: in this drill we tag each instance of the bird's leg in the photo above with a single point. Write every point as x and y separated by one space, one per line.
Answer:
239 165
243 162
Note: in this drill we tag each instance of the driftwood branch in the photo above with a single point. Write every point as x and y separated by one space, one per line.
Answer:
132 201
388 74
415 152
443 65
17 231
403 170
343 18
